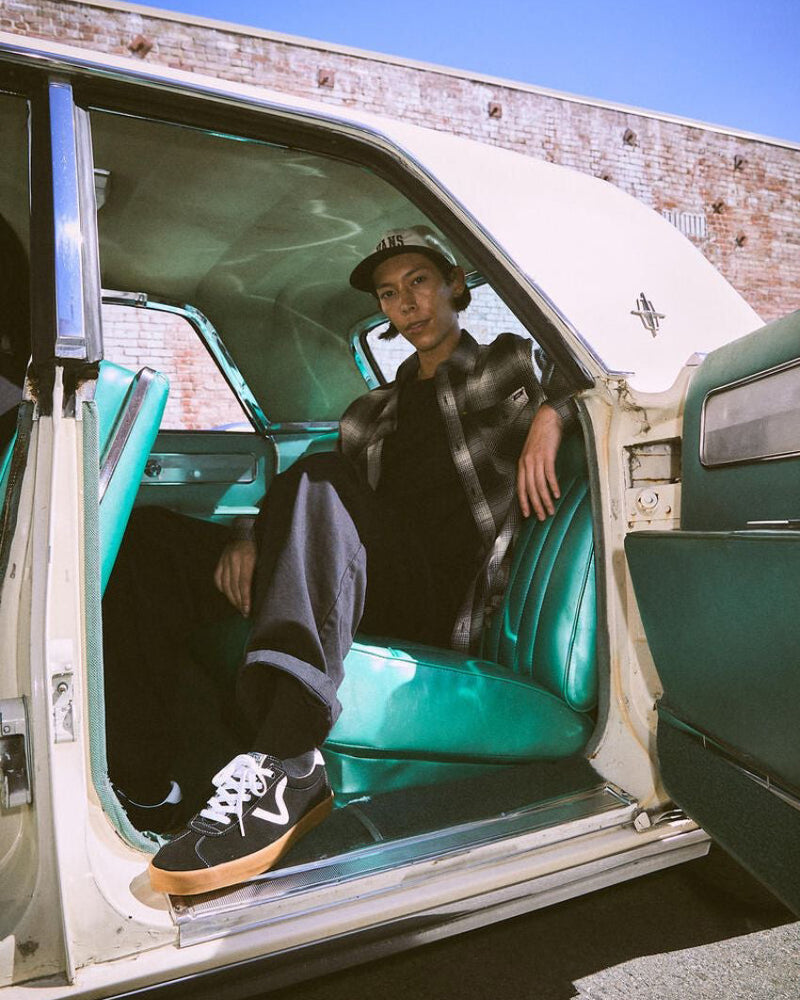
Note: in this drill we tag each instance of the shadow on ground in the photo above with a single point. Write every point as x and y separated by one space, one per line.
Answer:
542 955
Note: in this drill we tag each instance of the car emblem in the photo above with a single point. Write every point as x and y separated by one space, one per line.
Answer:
647 314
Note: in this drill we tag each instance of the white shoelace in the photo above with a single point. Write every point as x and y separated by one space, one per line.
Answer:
236 784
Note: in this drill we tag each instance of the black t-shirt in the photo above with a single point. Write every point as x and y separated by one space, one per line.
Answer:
420 484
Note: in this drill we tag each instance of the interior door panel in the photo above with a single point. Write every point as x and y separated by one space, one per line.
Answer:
219 475
216 475
720 603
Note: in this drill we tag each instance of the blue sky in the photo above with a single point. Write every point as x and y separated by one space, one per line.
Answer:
728 62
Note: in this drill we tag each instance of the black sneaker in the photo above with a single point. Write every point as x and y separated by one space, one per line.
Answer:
261 806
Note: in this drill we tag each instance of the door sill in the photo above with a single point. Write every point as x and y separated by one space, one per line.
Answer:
333 881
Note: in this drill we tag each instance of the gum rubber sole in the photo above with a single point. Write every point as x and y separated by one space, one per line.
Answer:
232 872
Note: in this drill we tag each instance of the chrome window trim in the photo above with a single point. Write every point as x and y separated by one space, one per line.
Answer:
122 431
735 384
74 230
304 427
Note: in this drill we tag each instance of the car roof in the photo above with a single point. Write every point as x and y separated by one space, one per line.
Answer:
584 248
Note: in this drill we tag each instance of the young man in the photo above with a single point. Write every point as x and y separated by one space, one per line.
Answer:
405 531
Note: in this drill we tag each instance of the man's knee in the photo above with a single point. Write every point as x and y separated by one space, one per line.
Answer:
318 474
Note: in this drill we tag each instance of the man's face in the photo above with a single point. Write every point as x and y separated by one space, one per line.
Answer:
418 301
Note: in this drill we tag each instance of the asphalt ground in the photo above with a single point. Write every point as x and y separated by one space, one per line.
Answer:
673 935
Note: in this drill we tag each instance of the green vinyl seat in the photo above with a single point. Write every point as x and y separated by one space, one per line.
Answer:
415 714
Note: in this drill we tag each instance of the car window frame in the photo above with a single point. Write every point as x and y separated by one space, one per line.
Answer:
266 122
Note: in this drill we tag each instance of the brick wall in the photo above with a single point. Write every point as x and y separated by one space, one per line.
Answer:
744 189
199 397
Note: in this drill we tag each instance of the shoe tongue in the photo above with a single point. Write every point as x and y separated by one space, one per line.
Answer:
263 759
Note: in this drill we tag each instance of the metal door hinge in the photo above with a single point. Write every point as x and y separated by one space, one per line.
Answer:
15 764
645 818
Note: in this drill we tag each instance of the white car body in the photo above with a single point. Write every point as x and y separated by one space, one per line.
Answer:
77 916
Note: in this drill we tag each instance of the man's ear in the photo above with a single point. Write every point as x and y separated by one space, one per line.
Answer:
458 282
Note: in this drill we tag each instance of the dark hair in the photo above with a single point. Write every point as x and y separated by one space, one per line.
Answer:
460 301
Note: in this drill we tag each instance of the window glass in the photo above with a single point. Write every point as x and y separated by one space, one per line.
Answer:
485 318
753 420
14 258
199 397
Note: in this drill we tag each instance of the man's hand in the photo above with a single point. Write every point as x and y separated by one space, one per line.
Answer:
537 486
234 574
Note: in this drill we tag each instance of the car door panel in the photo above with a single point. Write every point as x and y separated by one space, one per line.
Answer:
216 475
720 604
219 475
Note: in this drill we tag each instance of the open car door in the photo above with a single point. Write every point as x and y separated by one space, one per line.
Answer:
720 603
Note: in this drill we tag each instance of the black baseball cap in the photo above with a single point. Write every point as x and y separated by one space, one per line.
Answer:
414 239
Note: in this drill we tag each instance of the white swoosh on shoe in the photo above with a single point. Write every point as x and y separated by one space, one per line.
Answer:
281 817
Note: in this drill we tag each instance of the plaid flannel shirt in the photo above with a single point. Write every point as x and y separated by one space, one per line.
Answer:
488 396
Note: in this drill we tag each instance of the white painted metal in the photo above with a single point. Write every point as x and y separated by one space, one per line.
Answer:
31 934
514 877
588 248
590 264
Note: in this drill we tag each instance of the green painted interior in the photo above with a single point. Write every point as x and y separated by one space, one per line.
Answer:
410 710
755 826
727 497
261 238
112 397
722 616
291 446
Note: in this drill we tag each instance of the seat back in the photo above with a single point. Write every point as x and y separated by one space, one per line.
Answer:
129 411
545 628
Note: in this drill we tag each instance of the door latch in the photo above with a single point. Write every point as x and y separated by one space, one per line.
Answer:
15 764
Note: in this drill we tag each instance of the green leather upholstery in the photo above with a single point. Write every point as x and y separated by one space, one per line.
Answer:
130 419
421 701
546 627
415 714
433 714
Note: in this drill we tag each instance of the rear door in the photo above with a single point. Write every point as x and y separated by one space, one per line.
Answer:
720 602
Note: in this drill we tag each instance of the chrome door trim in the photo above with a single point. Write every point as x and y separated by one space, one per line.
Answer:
122 431
77 284
732 757
205 917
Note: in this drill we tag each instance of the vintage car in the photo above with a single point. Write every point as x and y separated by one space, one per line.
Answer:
634 693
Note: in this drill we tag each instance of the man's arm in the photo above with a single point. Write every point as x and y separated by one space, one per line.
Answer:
537 484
